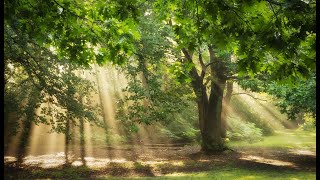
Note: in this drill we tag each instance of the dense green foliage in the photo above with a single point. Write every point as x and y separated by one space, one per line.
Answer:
292 99
172 52
256 31
153 94
81 31
40 88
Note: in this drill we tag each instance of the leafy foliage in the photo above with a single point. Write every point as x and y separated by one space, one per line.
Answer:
246 131
81 31
292 99
309 124
271 39
152 95
34 75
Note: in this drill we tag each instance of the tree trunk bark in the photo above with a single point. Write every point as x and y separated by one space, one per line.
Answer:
211 135
209 109
211 132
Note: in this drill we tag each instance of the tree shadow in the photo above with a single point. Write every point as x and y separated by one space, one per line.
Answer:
196 162
75 172
60 172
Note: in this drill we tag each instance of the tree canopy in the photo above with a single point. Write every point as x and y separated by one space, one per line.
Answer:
277 37
180 49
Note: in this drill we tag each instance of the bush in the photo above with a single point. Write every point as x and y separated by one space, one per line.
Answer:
309 123
243 131
247 113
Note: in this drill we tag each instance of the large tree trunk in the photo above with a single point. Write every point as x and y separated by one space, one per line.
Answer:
211 132
210 109
211 139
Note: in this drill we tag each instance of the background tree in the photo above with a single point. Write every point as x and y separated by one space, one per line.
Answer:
42 89
152 93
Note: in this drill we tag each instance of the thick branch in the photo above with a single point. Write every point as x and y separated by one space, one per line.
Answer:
207 65
193 71
207 81
203 67
197 81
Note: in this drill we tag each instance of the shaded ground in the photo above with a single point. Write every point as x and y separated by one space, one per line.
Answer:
288 154
158 160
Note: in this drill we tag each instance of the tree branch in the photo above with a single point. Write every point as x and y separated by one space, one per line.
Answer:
203 69
196 79
275 2
274 11
238 78
249 95
207 65
207 81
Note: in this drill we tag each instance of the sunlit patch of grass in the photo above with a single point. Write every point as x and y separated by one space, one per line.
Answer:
230 173
242 174
285 139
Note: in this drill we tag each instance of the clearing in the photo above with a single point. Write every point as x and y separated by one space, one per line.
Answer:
288 154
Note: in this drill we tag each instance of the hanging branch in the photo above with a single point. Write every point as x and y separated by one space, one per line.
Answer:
249 95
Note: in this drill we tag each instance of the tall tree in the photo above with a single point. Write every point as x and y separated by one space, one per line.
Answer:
254 31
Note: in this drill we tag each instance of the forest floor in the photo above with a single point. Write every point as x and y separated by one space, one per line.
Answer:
286 155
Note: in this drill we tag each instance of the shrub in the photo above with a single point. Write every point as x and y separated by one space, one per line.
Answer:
247 113
243 131
309 123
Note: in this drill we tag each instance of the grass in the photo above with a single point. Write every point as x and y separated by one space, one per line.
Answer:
230 173
242 174
284 139
220 173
